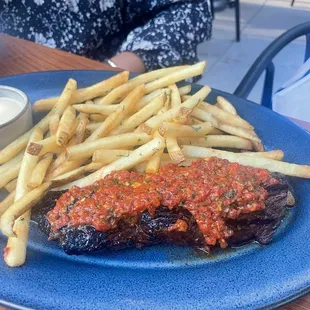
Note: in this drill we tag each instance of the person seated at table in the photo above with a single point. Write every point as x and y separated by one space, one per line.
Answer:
131 34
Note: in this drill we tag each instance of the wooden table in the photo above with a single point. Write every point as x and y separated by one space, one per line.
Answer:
19 56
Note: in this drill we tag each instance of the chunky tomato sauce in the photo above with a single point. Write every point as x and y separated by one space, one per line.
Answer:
212 190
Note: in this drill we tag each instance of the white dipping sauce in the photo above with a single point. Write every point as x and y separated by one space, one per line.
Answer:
9 108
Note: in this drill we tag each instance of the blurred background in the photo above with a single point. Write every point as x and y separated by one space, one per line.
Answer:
261 21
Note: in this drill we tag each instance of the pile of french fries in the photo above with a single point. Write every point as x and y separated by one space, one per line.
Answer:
120 124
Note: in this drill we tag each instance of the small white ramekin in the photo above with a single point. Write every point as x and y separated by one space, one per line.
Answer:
21 123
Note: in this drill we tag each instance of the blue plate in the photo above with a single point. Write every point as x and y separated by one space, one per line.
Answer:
169 277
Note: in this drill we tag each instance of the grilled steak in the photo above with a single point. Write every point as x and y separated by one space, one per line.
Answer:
165 224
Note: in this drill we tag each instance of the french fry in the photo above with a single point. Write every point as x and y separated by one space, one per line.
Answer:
225 105
9 175
20 206
117 93
15 250
39 171
14 147
86 149
185 97
80 133
47 135
74 126
174 150
140 168
153 164
96 108
166 105
68 166
192 121
176 76
123 90
93 126
174 130
225 141
75 174
27 165
92 167
141 116
97 118
139 155
114 119
79 137
108 156
220 114
225 117
60 166
240 132
205 116
156 74
236 131
44 104
216 131
7 202
63 168
145 100
48 145
95 100
57 162
228 107
65 99
290 199
65 124
10 187
68 176
84 94
87 134
185 90
61 158
178 113
258 146
301 171
275 154
54 123
175 96
12 162
164 160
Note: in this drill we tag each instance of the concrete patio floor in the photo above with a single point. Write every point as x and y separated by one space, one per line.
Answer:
261 22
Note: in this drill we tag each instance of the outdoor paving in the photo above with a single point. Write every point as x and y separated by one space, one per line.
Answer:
261 22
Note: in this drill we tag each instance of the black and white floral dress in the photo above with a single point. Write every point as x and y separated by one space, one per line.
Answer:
162 32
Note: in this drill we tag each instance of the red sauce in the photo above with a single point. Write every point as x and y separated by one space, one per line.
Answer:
212 190
179 225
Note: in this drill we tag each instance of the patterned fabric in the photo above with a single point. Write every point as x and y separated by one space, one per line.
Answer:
161 32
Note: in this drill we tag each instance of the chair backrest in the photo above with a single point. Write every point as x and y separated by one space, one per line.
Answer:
264 63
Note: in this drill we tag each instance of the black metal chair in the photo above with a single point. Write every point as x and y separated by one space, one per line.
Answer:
236 4
264 63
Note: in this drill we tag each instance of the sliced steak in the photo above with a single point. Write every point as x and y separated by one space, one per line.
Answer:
150 229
